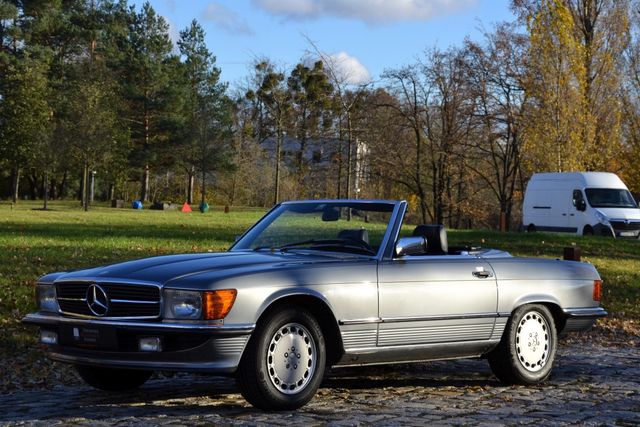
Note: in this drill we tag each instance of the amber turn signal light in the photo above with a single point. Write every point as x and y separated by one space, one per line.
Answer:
597 290
217 304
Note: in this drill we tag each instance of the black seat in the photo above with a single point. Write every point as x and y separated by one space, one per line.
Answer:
436 237
355 234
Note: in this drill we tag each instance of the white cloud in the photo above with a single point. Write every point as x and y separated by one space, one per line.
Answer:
369 11
348 68
174 34
226 19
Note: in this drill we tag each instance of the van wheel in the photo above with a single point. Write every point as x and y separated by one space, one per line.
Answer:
588 231
531 228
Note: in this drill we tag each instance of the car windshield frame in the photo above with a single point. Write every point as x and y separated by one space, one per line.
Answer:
395 209
597 192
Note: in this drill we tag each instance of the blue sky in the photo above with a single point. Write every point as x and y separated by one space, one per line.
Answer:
364 36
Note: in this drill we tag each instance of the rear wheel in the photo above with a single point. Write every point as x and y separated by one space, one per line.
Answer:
113 379
528 347
284 362
531 228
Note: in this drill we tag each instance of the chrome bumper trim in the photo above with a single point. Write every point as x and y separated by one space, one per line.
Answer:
585 312
41 319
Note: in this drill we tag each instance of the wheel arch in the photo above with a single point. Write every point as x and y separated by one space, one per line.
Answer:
559 318
317 305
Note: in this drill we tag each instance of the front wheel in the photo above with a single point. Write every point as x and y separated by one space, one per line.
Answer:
528 347
113 379
284 362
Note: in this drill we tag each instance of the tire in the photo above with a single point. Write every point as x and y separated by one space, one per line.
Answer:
284 362
588 231
531 228
528 347
113 379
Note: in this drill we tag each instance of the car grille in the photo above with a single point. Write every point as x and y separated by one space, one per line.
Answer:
624 226
125 300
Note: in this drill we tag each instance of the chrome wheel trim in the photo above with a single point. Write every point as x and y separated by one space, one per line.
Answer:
291 358
533 341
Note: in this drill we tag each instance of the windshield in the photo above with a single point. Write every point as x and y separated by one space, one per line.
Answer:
353 227
610 198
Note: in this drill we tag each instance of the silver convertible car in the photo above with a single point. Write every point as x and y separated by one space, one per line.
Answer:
315 284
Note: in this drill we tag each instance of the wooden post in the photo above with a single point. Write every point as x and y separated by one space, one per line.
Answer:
572 253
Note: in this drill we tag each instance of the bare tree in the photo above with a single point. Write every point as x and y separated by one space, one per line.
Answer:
348 95
496 71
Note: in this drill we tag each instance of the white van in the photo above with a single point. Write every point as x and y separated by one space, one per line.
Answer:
580 202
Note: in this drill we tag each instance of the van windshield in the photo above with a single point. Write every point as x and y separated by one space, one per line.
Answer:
610 198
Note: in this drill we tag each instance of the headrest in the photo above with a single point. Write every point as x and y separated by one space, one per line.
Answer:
436 237
355 234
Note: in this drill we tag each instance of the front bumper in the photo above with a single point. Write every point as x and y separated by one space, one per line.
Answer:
203 347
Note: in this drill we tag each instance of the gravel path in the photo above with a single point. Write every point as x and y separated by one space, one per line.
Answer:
591 385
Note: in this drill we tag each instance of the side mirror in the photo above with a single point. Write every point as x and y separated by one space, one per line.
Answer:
415 245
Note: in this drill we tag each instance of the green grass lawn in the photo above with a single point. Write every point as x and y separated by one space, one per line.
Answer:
34 242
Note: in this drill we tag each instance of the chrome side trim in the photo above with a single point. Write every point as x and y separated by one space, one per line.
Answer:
42 319
585 312
367 321
372 320
428 318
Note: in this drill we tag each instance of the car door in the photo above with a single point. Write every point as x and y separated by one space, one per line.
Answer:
577 215
435 299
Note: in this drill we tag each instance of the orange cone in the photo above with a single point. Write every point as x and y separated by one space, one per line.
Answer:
186 207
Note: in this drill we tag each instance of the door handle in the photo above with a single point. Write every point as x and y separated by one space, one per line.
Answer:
564 214
482 274
572 214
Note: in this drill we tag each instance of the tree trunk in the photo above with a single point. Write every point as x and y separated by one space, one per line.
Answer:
92 179
276 192
63 184
204 196
15 184
45 186
112 191
144 191
190 183
349 154
85 189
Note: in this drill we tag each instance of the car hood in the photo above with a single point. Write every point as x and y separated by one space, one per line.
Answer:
168 270
621 213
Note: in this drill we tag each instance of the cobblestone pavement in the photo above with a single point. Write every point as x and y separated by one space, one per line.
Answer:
591 385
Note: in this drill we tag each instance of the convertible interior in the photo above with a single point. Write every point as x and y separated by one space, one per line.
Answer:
434 234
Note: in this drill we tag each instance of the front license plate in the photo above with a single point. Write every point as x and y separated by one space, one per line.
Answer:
86 335
90 337
627 234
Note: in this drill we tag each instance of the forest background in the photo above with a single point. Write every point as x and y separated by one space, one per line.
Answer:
96 103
